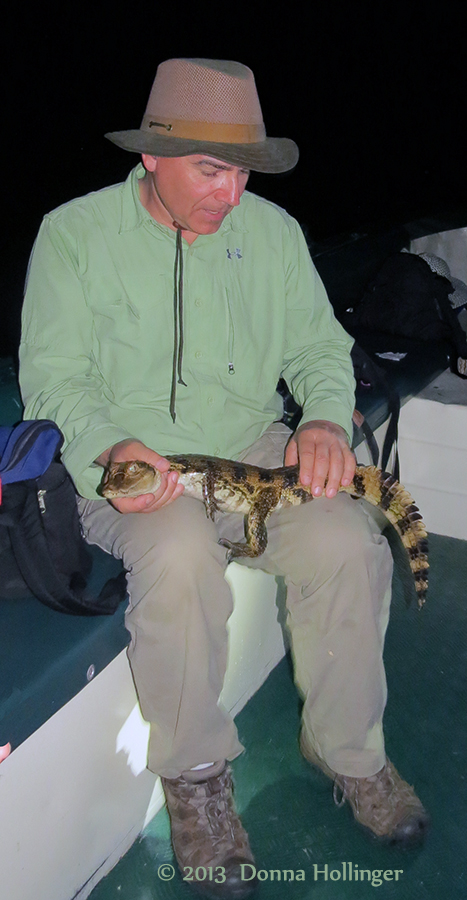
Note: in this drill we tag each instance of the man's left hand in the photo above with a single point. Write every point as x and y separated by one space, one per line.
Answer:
321 449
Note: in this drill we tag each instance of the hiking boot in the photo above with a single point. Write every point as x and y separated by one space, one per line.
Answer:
382 803
209 841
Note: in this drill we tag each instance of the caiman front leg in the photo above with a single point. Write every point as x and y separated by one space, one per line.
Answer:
255 528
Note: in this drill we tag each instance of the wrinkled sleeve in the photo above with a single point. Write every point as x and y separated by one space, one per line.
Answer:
58 376
317 364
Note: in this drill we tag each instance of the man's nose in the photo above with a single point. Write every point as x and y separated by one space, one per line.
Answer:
230 191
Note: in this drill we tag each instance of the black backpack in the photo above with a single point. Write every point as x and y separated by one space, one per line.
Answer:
408 299
42 550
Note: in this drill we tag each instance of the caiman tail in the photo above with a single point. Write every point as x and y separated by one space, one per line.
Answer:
383 491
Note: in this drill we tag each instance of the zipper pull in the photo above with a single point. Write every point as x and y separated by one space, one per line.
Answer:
40 499
231 369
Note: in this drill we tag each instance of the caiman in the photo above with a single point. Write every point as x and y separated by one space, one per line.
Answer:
229 486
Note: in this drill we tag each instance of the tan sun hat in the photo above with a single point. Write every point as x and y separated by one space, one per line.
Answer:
207 106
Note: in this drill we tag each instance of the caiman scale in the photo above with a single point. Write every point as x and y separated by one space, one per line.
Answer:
229 486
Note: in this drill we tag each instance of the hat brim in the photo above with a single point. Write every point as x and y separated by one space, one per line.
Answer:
273 155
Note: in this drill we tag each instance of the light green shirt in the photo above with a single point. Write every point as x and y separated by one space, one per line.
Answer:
98 333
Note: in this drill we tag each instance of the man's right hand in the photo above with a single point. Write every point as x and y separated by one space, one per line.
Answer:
169 490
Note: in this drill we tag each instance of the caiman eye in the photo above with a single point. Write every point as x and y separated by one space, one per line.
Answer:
133 467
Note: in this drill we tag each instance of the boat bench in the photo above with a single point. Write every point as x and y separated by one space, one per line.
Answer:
75 792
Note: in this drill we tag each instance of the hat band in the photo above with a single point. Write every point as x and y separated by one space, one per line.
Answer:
213 132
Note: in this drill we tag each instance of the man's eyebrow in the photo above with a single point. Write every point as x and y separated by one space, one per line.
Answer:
224 166
210 162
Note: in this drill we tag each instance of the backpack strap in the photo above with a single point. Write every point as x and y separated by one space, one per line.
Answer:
361 423
367 371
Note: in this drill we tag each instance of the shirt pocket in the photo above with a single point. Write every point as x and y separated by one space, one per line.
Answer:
132 334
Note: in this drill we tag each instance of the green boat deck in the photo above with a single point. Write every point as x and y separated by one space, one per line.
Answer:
288 808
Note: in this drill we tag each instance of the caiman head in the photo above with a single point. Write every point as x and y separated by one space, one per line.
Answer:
128 479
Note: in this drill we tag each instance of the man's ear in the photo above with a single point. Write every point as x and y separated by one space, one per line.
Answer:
149 162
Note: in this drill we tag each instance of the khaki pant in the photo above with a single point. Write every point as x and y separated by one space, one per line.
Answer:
337 568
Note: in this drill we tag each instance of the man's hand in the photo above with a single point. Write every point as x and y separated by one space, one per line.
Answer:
146 503
322 451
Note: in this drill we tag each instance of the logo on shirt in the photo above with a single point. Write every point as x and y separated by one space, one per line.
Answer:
234 254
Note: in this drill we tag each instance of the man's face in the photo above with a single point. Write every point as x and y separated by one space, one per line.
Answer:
197 192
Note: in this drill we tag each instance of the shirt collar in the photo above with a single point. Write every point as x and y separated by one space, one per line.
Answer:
134 215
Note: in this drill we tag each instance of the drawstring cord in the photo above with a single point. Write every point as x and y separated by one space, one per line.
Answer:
178 321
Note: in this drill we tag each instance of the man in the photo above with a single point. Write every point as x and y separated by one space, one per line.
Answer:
158 318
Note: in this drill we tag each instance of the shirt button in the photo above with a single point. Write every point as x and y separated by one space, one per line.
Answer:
217 451
198 354
210 401
198 302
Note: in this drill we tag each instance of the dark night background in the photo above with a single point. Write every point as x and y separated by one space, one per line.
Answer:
373 93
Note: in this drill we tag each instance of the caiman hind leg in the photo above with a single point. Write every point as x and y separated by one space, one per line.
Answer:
255 527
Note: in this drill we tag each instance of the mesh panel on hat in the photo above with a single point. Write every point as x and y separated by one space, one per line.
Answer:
436 264
458 295
195 90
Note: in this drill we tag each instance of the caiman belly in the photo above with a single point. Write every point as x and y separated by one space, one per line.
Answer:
255 492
